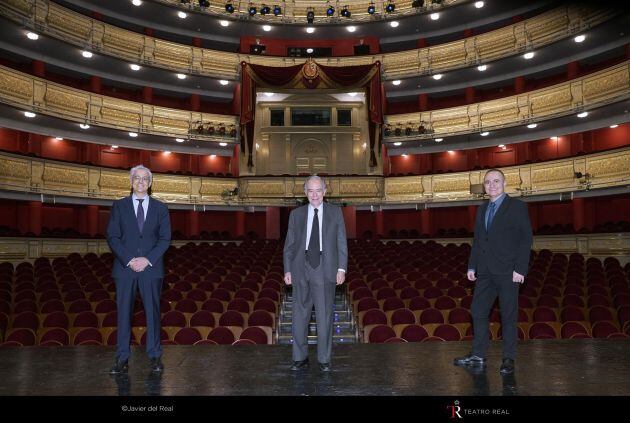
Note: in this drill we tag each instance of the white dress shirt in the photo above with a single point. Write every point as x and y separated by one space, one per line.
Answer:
145 207
309 226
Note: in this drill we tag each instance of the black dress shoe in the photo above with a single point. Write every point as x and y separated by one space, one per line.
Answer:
299 365
324 367
119 367
470 360
156 365
507 367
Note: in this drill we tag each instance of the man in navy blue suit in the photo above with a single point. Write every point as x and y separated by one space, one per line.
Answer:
138 233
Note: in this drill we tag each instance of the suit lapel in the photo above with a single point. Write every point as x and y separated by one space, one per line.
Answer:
304 220
505 204
132 212
484 208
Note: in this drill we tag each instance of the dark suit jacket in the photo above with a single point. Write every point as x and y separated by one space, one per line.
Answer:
126 241
334 243
506 246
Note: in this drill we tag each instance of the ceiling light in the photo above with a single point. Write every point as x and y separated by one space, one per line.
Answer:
136 2
29 114
224 23
351 28
266 28
59 138
485 133
482 68
212 156
134 67
479 4
450 152
439 139
396 82
114 147
167 152
84 126
437 76
181 76
182 15
352 94
582 115
223 82
580 38
398 144
501 146
613 126
554 138
133 134
435 16
309 50
32 36
310 29
528 55
268 94
179 139
404 155
532 125
223 144
86 54
394 24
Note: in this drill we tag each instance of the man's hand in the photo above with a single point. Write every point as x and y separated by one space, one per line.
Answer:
139 264
287 278
517 277
471 275
341 277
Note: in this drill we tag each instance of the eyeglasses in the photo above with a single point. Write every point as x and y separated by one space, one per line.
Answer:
143 179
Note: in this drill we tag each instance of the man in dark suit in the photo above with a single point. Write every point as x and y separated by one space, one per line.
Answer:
500 258
315 262
138 233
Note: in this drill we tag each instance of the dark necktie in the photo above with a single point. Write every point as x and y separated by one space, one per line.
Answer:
140 214
490 215
312 254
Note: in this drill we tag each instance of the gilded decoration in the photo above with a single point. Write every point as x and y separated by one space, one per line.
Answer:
366 189
171 185
263 189
65 175
114 181
67 101
609 165
614 82
15 86
550 175
408 187
556 101
441 185
216 187
17 169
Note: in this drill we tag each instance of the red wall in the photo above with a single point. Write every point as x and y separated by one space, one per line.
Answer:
514 154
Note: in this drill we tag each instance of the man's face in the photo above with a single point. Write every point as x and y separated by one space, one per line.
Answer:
140 182
315 192
494 184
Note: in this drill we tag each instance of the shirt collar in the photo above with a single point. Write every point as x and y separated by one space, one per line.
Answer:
320 208
499 200
134 197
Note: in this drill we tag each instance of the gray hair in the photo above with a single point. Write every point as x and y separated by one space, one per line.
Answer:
315 177
137 168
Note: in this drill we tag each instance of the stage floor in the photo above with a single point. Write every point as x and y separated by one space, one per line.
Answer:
598 367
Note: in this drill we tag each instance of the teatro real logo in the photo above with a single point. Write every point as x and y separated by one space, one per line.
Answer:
456 411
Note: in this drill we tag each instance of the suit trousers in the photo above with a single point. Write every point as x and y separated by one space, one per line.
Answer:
309 292
487 287
150 290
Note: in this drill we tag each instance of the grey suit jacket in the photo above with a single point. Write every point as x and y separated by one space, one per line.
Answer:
334 243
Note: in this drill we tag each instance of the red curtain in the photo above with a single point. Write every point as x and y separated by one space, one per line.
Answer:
310 75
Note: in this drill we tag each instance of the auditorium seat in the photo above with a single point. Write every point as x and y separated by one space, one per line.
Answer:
379 334
221 335
401 316
261 318
544 330
87 336
20 337
571 329
187 336
447 332
257 334
85 319
603 329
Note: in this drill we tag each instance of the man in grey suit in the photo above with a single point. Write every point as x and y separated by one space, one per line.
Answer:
315 262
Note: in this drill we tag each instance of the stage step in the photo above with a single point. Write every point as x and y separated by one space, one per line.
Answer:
344 329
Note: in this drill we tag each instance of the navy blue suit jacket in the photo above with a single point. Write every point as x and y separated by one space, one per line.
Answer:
506 246
126 241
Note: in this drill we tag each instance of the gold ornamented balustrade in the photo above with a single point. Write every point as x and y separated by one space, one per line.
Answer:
600 88
33 175
86 32
31 93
